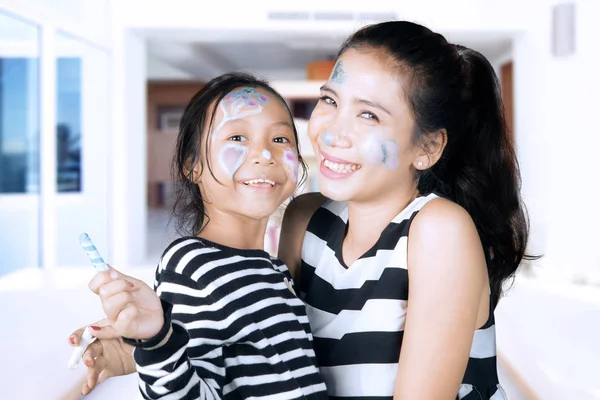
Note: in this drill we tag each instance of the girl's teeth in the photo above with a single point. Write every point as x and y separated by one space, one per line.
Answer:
255 181
340 168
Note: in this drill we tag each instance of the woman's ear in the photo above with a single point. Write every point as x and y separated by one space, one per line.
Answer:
432 150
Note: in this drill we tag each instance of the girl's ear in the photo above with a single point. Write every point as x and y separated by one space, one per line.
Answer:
195 174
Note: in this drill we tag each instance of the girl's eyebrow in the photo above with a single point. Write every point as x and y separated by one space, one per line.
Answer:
287 124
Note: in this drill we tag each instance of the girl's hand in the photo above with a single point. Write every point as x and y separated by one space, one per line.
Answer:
133 309
106 357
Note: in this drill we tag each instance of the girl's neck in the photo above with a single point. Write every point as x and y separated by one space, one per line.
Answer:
235 231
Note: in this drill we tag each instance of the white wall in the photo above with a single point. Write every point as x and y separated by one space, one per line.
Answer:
557 138
158 70
548 328
127 194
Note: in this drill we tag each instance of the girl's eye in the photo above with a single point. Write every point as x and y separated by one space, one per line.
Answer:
237 138
281 140
327 100
369 115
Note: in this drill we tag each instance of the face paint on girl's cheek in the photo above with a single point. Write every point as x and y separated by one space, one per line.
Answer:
239 104
291 161
231 157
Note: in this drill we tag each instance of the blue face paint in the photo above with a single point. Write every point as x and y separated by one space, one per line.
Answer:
328 138
338 75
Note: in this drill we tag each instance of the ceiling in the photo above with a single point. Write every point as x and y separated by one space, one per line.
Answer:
275 55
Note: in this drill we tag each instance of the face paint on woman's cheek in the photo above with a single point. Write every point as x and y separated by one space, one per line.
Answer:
380 152
290 159
231 157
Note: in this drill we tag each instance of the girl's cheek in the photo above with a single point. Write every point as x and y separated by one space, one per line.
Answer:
231 157
290 159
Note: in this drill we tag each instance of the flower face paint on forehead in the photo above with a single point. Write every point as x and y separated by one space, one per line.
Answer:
231 157
380 152
338 75
240 103
290 159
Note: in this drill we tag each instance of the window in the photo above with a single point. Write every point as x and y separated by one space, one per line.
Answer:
19 116
19 145
68 124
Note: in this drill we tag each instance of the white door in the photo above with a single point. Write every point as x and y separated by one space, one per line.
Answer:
82 144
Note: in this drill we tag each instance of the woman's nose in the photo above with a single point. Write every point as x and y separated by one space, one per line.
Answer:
338 138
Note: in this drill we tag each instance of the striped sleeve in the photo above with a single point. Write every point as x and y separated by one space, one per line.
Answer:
170 371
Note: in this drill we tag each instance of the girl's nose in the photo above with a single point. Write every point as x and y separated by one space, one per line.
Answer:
263 156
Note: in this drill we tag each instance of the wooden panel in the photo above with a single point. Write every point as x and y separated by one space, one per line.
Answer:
161 145
506 80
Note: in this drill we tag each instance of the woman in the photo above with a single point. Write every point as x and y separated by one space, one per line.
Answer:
413 143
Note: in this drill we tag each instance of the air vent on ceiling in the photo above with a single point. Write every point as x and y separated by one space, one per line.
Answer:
288 16
333 16
323 16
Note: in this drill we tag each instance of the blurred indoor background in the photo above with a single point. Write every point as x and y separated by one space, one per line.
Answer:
91 92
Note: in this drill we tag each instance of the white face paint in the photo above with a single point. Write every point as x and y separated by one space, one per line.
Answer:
231 157
266 154
240 103
380 152
290 159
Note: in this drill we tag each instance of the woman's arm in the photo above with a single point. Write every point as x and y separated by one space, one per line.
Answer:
448 288
295 221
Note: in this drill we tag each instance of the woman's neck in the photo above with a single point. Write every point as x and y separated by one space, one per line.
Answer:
234 230
366 222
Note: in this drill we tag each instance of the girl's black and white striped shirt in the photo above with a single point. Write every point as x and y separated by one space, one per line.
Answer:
239 331
357 314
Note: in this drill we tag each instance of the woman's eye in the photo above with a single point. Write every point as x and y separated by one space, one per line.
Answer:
281 140
369 115
328 100
237 138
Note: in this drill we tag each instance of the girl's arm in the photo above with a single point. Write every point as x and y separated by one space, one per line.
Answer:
163 363
448 301
295 221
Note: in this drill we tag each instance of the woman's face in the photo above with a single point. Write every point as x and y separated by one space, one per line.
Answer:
361 129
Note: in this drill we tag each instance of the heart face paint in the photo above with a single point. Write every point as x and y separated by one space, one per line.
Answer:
290 159
231 157
240 103
380 152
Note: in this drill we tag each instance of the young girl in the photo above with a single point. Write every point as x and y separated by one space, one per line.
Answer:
224 321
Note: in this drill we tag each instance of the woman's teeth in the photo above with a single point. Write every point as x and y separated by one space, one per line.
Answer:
340 168
257 181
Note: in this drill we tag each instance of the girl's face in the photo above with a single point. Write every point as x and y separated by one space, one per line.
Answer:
361 130
252 153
